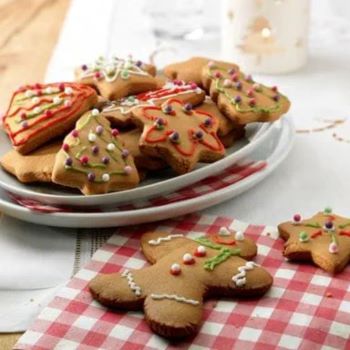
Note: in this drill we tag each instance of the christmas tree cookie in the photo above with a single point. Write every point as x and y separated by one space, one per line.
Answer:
116 78
178 134
184 272
323 239
119 111
239 97
40 112
93 159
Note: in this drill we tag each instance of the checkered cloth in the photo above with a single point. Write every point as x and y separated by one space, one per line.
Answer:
305 309
226 178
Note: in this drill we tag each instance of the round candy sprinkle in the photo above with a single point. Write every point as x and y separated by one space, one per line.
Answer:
106 177
249 78
23 115
274 88
188 259
68 90
35 99
224 231
175 269
303 236
188 107
61 87
208 122
84 67
24 125
125 74
92 137
57 100
48 114
238 99
200 251
68 162
125 153
111 147
138 63
37 86
234 77
333 248
250 93
194 86
84 160
95 112
276 98
297 218
174 136
65 147
239 236
128 169
91 177
29 93
97 75
257 87
227 83
167 109
199 134
37 110
95 149
160 122
238 85
328 210
217 75
75 133
231 71
252 102
115 132
328 225
68 103
99 129
105 160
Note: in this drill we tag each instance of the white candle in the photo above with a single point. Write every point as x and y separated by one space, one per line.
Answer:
265 36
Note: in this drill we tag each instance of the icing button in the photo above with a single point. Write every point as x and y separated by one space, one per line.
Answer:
188 259
200 251
175 269
105 177
239 236
224 232
111 147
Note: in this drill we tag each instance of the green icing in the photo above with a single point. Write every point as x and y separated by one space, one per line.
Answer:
344 225
315 225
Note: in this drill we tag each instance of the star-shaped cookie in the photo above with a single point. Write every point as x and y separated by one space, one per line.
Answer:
239 97
116 77
178 134
323 239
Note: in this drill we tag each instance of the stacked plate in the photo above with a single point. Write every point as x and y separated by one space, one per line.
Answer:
163 195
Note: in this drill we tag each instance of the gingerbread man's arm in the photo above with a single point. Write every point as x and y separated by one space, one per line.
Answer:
156 244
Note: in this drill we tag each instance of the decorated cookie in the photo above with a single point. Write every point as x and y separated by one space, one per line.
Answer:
36 166
131 140
93 159
239 97
323 239
119 111
185 272
115 78
178 134
234 135
189 70
40 112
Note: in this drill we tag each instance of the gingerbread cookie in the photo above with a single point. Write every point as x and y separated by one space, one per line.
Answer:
119 111
323 239
239 97
185 272
117 78
131 140
40 112
33 167
189 70
234 135
178 134
93 159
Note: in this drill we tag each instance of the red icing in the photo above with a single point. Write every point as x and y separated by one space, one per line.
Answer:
224 241
316 234
160 93
80 94
218 147
344 233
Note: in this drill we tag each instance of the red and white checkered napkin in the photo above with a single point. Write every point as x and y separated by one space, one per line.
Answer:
305 309
226 178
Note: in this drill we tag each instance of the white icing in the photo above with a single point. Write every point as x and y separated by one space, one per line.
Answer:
131 282
95 112
111 147
57 100
239 236
333 248
174 297
35 99
68 90
37 110
240 278
92 137
29 93
106 177
159 240
49 90
224 231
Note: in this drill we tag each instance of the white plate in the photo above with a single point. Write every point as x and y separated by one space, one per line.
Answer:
162 183
273 151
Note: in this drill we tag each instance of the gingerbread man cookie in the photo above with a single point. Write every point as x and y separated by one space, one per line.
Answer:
40 112
119 111
36 166
178 134
239 97
93 159
117 78
185 272
323 239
